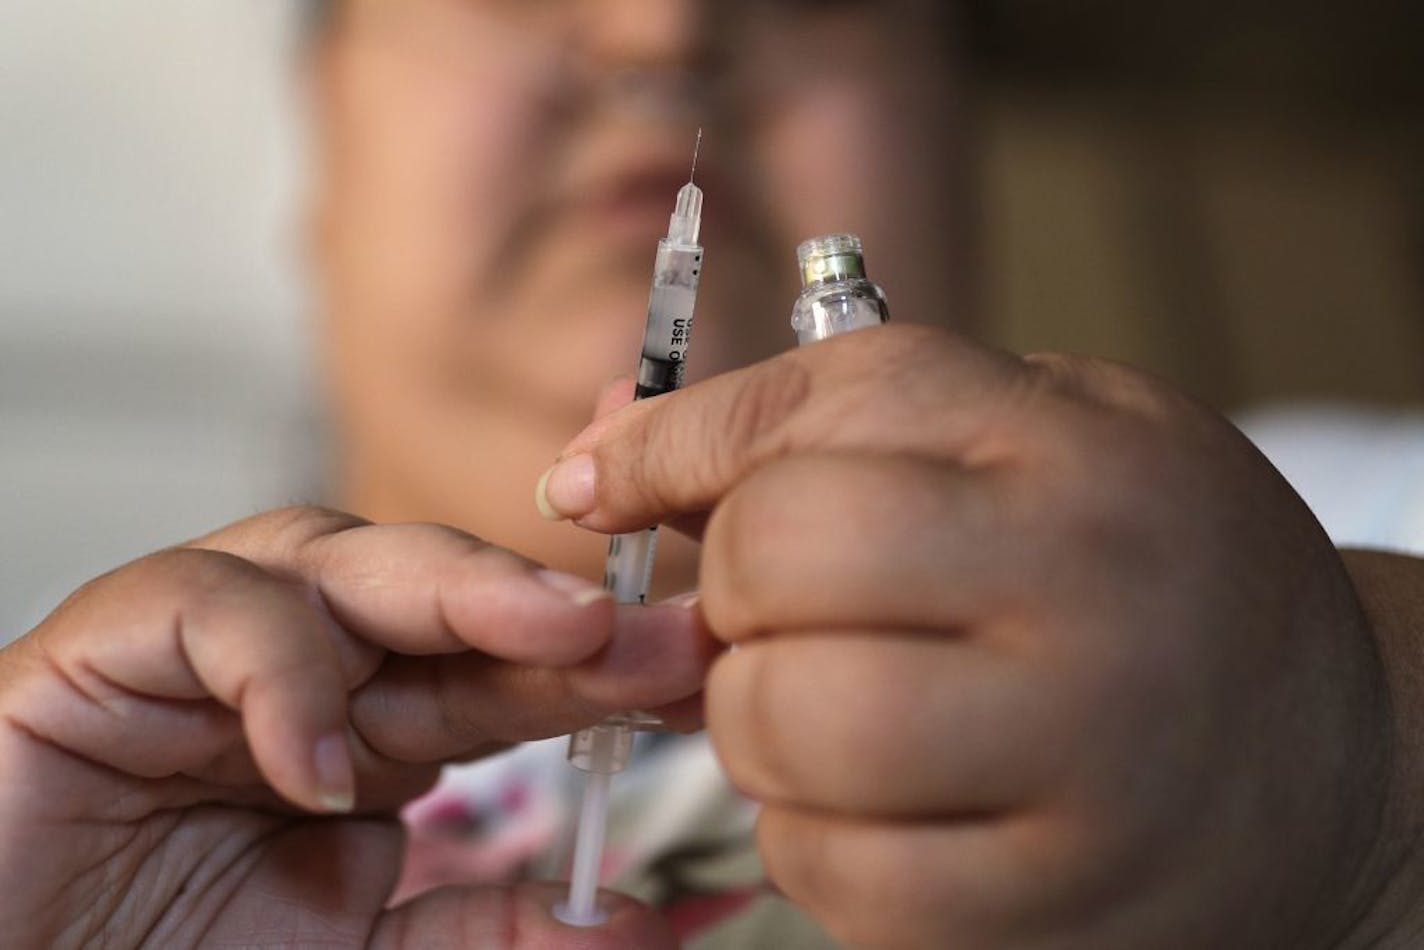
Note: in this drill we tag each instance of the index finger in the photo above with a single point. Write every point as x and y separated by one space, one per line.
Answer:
425 589
872 391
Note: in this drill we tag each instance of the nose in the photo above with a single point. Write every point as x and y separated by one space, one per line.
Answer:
647 35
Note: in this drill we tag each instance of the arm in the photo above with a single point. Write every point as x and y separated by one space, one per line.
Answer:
1390 588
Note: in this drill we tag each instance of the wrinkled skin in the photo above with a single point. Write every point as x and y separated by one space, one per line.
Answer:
181 740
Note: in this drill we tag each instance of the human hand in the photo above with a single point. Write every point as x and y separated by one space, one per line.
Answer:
1031 652
168 732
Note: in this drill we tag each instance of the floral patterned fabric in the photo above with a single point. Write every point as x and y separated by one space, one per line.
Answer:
679 838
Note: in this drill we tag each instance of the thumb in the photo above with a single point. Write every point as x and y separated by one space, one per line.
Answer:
517 918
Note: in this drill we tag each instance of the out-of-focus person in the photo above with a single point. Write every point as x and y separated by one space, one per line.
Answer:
1030 651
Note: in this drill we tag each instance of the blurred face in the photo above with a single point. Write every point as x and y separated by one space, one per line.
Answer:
495 175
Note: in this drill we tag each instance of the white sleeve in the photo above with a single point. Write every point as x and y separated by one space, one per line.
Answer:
1361 470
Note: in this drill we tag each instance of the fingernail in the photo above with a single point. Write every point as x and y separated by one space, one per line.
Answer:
582 592
686 601
545 511
335 776
566 490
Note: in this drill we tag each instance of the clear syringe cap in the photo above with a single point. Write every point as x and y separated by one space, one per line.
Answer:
685 225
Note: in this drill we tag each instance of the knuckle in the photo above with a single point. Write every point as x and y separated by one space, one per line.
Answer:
908 342
725 576
859 881
282 529
442 540
468 550
898 356
747 424
197 576
893 385
735 580
769 540
798 859
895 881
211 590
785 489
753 423
298 526
883 895
1118 391
1098 457
1067 370
755 536
648 462
192 582
743 723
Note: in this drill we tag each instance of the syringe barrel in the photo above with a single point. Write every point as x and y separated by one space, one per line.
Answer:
676 275
677 271
629 568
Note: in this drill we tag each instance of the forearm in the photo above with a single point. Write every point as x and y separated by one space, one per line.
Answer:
1391 592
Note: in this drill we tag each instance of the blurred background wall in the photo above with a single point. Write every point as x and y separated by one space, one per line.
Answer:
151 340
1227 193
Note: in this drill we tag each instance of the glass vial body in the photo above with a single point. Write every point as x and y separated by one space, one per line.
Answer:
836 295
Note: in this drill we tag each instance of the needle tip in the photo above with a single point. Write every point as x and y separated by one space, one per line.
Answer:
696 150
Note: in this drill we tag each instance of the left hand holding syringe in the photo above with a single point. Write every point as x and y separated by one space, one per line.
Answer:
1030 651
212 744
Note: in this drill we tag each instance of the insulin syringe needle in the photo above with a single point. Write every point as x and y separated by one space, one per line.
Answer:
603 750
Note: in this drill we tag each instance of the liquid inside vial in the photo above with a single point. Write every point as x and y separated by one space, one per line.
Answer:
836 295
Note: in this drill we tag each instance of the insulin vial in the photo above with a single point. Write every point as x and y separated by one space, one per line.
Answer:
836 296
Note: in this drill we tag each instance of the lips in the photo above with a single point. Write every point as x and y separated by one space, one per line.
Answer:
636 197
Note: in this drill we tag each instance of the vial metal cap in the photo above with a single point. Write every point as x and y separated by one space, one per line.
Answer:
831 257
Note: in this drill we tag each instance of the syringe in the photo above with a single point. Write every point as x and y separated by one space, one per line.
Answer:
603 750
